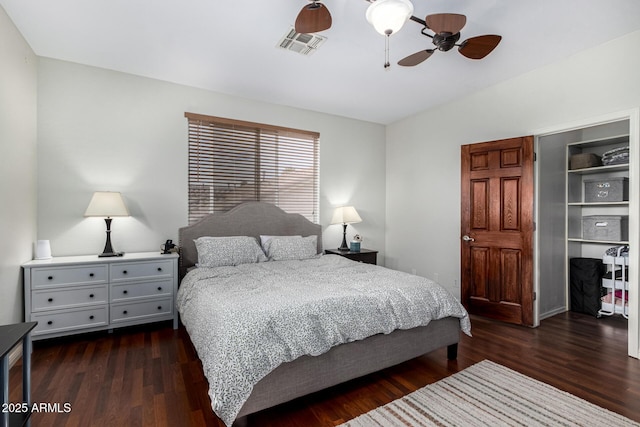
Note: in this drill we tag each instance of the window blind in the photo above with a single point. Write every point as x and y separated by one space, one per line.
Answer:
231 162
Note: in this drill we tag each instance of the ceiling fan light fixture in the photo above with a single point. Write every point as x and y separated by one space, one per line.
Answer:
388 16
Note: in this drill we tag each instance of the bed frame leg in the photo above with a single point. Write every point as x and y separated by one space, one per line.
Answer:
452 351
241 422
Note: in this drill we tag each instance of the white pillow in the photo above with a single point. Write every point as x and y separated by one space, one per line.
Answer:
265 239
291 247
233 250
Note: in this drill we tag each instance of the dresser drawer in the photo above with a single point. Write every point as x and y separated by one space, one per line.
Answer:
141 310
53 298
43 277
131 291
141 270
67 320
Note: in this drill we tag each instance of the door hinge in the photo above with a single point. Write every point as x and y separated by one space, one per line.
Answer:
535 296
535 156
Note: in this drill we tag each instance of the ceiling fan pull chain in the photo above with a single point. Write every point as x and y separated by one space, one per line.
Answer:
386 50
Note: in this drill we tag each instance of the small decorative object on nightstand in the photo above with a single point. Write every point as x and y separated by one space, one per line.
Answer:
367 256
356 243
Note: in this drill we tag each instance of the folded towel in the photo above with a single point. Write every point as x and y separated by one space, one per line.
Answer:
616 151
616 156
608 298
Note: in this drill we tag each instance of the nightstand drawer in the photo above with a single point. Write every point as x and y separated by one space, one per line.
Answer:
43 277
141 270
48 299
367 256
60 321
141 310
128 291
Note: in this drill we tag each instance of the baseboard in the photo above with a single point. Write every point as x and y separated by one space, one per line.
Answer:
552 313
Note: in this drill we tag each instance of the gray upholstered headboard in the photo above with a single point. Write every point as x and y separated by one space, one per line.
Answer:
248 219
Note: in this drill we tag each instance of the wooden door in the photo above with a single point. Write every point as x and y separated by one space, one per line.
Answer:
497 229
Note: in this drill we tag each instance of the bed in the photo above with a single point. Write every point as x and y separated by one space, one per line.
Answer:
281 370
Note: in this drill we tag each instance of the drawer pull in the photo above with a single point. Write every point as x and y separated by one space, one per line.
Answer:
159 288
159 307
125 292
159 268
50 300
124 271
50 322
90 274
90 295
125 312
50 277
91 317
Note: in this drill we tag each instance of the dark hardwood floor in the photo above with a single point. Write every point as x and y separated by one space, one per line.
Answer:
152 376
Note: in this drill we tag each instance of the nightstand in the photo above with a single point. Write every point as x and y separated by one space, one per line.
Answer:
367 256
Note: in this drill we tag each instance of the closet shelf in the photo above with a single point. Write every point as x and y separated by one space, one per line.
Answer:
597 204
599 142
599 169
604 242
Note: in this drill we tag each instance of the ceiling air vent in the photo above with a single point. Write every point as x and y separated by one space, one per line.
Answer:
304 44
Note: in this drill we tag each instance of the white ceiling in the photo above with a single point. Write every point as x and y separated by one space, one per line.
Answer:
229 46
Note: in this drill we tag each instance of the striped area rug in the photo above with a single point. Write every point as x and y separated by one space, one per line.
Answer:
488 394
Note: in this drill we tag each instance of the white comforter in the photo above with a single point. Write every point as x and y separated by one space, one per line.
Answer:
245 321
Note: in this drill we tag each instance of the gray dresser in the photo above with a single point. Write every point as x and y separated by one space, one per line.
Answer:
70 295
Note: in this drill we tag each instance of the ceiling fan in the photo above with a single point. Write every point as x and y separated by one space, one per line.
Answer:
388 18
447 27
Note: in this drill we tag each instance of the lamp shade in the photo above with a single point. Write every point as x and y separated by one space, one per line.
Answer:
388 16
106 204
345 215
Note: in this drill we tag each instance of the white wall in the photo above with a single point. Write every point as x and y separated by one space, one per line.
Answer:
104 130
423 151
18 133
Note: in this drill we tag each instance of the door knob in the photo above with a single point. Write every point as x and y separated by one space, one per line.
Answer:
468 239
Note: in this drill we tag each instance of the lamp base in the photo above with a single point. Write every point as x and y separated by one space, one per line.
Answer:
108 249
343 246
108 254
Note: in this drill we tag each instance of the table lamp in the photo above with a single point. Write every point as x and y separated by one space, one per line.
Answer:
107 204
345 215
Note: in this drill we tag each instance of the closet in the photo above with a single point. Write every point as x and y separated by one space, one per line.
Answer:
583 210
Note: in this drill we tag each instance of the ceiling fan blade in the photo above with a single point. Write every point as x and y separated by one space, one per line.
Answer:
446 22
416 58
480 46
313 18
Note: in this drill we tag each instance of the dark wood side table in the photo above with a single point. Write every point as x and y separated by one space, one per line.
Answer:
10 336
367 256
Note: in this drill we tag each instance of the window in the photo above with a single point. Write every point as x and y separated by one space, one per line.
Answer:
232 161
